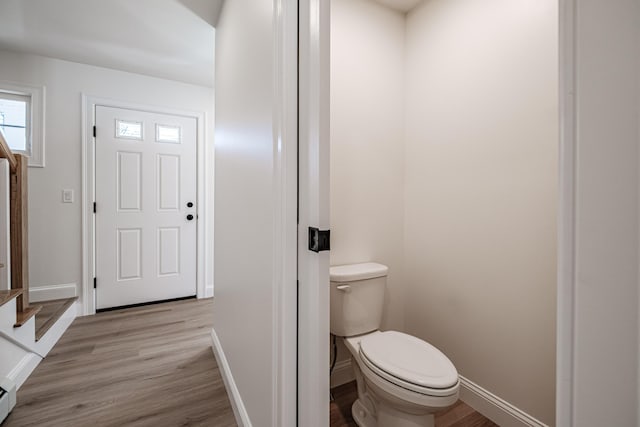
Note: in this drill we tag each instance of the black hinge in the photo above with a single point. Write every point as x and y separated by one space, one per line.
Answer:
95 282
94 131
319 240
94 207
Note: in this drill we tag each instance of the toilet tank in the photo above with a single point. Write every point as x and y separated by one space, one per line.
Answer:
356 298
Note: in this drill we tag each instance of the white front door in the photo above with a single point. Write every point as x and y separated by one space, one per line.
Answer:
145 206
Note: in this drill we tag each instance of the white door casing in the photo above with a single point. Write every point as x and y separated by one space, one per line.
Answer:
313 204
145 243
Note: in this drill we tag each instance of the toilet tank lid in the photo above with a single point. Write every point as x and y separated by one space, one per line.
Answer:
353 272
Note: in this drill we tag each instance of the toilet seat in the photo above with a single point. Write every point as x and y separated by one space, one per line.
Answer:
409 362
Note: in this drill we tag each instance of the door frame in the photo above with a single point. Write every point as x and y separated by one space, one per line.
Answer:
566 211
286 130
89 104
313 205
312 386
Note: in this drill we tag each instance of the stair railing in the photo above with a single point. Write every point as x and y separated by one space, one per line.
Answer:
19 239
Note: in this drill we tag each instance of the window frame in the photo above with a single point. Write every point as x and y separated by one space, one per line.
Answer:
35 118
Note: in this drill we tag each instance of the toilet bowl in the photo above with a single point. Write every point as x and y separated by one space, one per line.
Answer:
402 380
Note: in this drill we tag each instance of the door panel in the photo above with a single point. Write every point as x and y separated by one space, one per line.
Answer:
129 182
168 179
168 251
145 230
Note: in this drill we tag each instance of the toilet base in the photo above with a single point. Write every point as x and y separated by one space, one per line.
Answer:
362 416
388 418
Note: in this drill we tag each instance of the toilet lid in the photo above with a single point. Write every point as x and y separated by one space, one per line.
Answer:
409 359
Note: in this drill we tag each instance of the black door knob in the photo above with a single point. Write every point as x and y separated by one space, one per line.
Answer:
190 204
189 217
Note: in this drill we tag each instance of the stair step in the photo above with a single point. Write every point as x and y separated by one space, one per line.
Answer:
6 296
50 313
23 317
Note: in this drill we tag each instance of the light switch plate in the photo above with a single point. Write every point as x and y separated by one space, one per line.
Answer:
67 196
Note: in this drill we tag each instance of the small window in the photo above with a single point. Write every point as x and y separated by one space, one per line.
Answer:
166 133
15 121
128 130
22 120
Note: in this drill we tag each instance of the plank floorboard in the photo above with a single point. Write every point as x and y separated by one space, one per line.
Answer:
141 367
459 415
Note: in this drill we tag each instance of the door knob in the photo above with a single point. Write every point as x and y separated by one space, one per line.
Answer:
189 217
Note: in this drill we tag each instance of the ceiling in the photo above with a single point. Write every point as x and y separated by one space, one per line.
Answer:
400 5
171 39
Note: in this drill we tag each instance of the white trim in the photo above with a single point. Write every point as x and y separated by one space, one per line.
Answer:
342 373
239 410
36 352
53 292
89 103
208 291
202 210
313 205
37 115
23 369
493 407
51 337
285 205
566 292
18 340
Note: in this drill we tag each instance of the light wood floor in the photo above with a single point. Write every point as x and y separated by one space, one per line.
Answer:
459 415
145 366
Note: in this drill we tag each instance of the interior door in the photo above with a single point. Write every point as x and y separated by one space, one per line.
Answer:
145 206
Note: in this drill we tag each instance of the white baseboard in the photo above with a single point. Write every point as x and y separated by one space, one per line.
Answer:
208 291
23 369
52 292
342 373
493 407
239 410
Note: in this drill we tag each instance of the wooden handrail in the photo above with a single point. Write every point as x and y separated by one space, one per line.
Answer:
5 153
19 234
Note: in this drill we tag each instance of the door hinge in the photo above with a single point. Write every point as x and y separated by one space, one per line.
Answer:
95 282
94 132
319 240
94 207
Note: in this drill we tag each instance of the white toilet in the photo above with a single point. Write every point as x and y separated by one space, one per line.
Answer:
402 380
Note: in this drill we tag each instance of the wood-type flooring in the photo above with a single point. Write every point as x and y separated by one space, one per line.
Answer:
148 366
151 366
459 415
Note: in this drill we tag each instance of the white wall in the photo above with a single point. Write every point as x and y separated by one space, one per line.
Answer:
55 228
244 191
606 203
367 129
481 189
